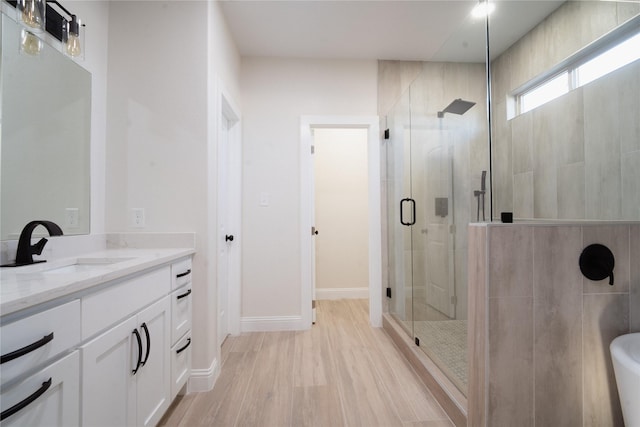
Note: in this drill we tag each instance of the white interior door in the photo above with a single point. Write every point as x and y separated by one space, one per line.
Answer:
229 208
224 234
314 233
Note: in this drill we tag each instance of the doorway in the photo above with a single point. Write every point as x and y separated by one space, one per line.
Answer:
341 238
307 209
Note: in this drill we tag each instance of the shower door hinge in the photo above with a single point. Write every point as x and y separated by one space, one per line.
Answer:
313 149
386 134
417 341
388 292
454 300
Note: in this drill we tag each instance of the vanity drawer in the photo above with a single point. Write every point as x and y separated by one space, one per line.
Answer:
50 397
180 364
181 273
31 341
106 307
180 312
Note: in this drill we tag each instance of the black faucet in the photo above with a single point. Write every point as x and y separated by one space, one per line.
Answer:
24 255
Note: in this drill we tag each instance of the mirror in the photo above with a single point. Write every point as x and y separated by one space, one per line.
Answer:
45 138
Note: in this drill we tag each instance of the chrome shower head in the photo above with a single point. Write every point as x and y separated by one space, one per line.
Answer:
458 106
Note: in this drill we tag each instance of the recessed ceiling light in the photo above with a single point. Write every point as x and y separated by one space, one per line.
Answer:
482 9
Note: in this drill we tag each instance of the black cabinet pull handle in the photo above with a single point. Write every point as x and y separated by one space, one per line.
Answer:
146 333
25 350
135 332
183 274
26 402
228 238
180 350
186 294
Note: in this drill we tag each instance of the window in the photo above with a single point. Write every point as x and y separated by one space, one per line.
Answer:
608 61
541 94
599 59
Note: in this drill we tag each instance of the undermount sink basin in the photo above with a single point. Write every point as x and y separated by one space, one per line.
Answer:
625 354
85 264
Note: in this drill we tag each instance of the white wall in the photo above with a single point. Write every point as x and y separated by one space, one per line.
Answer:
166 60
275 93
95 15
341 211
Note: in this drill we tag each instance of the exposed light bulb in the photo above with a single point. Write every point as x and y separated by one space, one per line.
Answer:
73 45
483 9
30 43
33 13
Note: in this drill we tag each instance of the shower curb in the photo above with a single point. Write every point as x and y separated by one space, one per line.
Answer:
445 392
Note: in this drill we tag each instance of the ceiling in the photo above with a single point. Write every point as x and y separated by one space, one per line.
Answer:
417 30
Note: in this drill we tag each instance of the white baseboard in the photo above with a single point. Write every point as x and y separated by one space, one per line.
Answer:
203 379
271 324
342 293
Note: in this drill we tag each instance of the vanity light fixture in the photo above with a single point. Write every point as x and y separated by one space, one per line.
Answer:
32 14
483 9
47 15
69 32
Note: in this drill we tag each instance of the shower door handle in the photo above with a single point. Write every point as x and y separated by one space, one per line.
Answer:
413 211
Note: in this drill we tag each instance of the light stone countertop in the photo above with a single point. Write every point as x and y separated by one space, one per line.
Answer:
25 287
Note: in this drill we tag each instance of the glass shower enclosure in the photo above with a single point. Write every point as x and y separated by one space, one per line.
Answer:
437 167
573 158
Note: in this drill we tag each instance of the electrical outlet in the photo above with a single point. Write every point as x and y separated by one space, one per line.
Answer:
72 217
137 217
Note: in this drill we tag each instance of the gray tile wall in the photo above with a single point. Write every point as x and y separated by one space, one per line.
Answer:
547 360
577 157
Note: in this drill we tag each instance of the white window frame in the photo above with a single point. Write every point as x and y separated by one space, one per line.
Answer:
571 67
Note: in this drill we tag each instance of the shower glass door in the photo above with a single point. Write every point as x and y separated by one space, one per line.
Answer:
435 325
398 150
435 165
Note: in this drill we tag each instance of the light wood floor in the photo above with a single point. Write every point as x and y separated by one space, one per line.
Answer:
342 372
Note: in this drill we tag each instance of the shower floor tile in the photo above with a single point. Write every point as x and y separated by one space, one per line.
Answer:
445 342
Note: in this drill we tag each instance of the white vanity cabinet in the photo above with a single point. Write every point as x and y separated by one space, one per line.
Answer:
181 302
113 354
126 371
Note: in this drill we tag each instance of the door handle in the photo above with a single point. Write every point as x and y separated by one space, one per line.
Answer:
413 211
228 238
